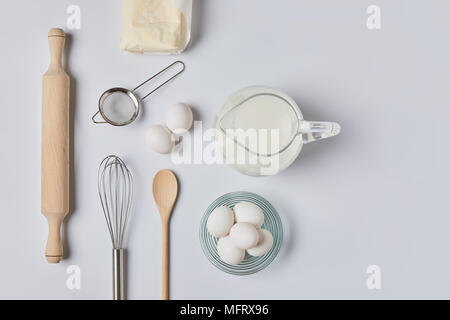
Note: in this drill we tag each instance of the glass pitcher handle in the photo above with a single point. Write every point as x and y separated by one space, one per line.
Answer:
317 130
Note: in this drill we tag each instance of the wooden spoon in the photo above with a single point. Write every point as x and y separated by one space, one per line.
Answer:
165 192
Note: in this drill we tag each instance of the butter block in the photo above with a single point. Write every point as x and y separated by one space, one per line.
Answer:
156 26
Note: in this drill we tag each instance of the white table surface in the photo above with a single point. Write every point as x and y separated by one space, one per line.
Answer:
375 195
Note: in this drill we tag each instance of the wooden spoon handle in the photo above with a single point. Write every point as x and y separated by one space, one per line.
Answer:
165 260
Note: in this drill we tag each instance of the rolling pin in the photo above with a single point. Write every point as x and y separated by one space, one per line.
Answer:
55 179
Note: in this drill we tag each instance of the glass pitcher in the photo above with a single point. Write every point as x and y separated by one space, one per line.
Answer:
260 131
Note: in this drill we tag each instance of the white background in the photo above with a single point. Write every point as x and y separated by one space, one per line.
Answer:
376 194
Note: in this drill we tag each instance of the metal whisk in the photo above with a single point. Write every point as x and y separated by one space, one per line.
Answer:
115 188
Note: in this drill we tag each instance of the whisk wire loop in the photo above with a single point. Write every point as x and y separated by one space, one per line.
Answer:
115 187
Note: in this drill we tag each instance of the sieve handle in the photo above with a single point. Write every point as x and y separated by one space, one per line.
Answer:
183 67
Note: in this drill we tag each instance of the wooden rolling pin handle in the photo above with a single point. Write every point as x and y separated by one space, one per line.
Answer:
54 249
56 40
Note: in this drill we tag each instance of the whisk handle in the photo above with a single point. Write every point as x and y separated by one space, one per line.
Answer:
118 280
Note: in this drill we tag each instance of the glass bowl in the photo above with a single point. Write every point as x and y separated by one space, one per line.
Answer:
272 223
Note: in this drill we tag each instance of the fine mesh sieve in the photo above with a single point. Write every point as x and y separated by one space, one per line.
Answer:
120 106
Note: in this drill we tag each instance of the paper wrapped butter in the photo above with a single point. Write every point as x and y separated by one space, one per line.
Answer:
156 26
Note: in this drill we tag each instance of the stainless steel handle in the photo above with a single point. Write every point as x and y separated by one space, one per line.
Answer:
183 67
118 280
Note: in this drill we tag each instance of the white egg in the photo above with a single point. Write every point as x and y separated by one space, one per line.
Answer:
159 139
228 252
220 221
264 245
244 235
250 213
179 118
